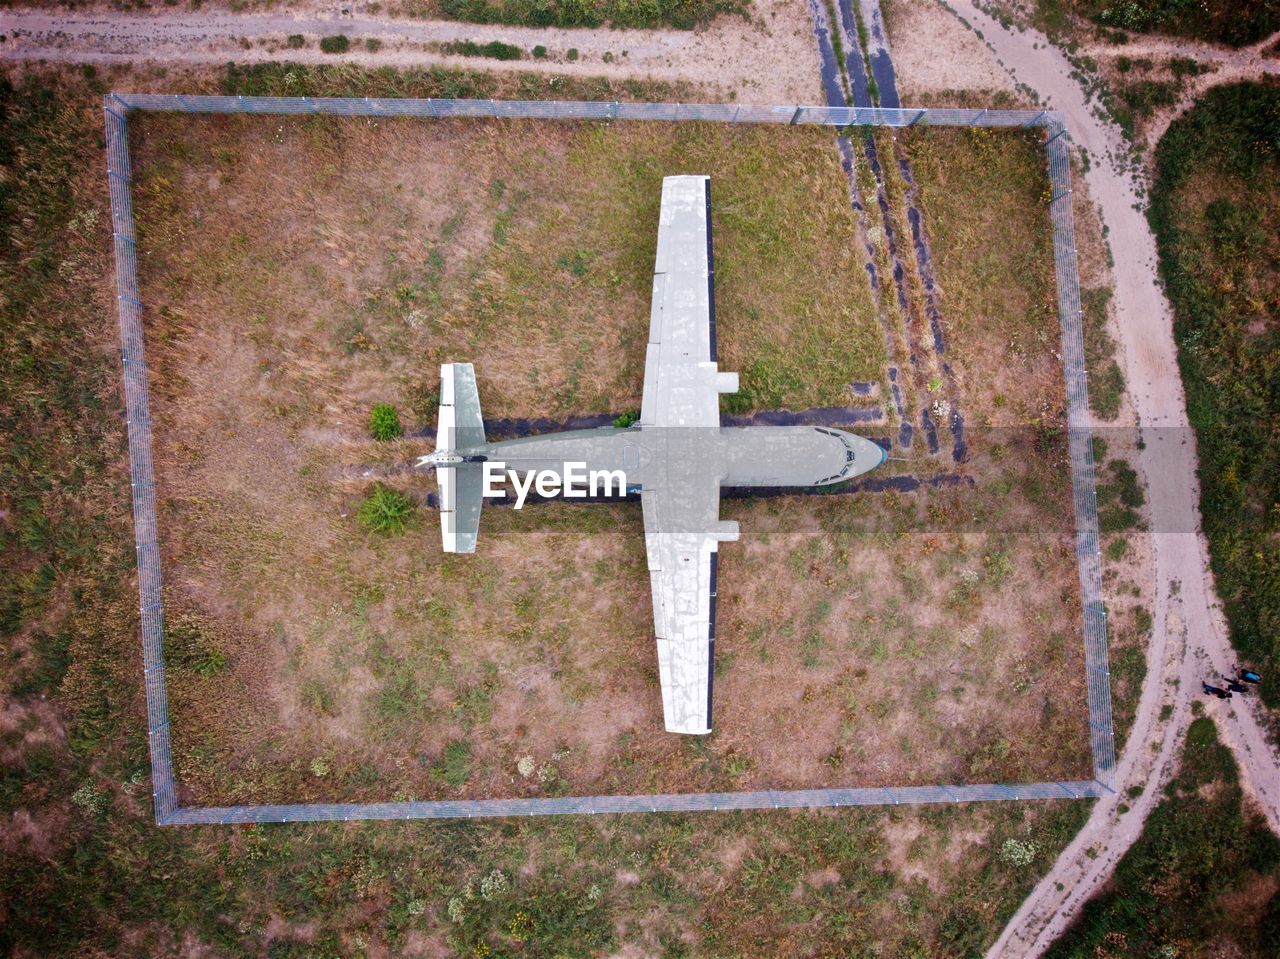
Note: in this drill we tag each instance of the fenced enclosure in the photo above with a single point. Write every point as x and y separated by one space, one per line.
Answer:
168 811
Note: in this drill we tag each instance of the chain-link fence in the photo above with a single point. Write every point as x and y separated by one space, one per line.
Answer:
117 108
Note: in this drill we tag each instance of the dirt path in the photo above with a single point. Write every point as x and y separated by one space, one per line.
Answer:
1190 637
767 60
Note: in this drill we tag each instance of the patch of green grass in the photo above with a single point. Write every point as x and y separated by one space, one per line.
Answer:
1119 497
384 422
455 764
1106 381
386 510
1198 847
623 420
336 43
1216 215
494 49
1117 549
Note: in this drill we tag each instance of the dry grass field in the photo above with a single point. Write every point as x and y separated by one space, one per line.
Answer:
86 870
299 271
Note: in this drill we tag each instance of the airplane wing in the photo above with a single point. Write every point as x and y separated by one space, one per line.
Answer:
681 492
682 533
681 378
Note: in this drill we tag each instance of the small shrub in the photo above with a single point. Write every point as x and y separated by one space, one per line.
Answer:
493 885
494 50
572 54
339 43
373 44
88 798
385 511
1018 853
539 52
296 41
384 422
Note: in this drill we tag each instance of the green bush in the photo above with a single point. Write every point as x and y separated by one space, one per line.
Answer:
296 41
494 50
373 44
572 54
385 511
339 43
384 422
681 14
539 52
623 420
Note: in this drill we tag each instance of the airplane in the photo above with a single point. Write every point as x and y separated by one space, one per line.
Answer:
677 455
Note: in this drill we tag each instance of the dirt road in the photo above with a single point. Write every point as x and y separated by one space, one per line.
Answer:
1190 636
767 60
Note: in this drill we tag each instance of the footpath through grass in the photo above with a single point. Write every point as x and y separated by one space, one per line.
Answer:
1201 880
1216 215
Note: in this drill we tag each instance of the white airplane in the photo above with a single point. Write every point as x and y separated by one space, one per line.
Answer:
677 455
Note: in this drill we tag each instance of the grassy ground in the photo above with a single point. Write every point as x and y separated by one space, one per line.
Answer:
85 869
361 666
985 195
1233 22
1216 216
1201 880
1236 23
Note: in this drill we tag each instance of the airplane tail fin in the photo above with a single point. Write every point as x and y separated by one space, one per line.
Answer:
459 429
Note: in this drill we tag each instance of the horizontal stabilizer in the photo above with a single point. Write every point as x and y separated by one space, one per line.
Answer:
461 497
460 428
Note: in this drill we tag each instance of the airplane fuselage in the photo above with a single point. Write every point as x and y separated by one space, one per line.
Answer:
749 456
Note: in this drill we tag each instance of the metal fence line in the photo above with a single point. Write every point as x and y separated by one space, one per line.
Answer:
142 473
666 802
1080 453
